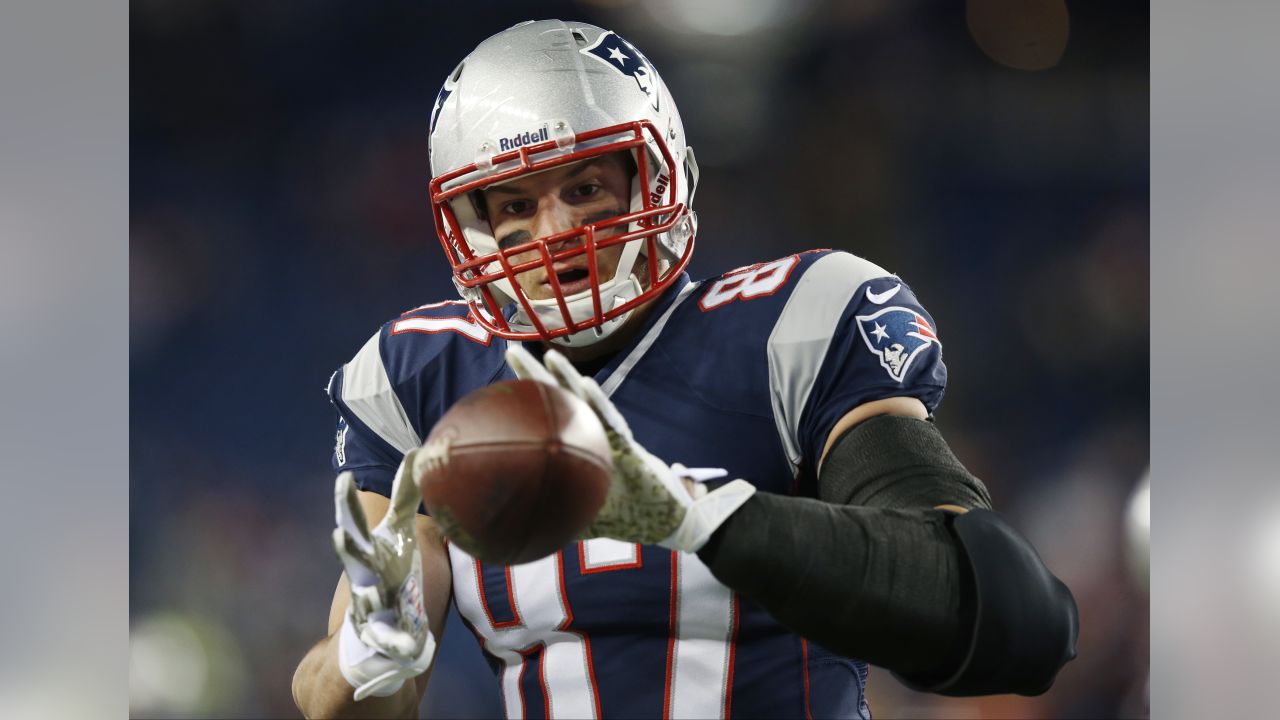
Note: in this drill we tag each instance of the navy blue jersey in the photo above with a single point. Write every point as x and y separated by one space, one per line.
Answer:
748 371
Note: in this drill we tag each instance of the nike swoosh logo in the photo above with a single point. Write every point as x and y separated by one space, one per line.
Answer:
882 298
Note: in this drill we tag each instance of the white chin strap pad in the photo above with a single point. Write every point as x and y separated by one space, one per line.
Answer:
582 308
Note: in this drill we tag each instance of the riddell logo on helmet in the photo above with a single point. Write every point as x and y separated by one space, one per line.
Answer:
524 138
660 189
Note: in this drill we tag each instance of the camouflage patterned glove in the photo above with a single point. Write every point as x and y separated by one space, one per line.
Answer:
385 638
648 500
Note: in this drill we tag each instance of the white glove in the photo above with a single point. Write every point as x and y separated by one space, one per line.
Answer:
385 638
648 502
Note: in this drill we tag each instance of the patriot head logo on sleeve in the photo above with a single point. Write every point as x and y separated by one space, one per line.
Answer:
897 335
626 59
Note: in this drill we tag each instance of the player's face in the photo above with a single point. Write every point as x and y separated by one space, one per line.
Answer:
557 200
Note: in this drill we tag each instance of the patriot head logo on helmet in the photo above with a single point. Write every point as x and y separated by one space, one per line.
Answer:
623 57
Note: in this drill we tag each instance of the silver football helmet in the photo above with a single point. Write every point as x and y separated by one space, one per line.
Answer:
540 95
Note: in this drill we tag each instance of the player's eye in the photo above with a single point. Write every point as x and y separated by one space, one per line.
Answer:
517 207
586 190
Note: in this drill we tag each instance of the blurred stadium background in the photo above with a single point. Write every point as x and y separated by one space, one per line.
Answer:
994 153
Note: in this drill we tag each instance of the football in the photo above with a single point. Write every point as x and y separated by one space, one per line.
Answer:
515 470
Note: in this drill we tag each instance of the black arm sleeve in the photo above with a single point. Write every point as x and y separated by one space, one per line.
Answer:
873 571
881 585
900 463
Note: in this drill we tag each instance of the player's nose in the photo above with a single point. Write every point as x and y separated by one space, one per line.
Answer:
553 216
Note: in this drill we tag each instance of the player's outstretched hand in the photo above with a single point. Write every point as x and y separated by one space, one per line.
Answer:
649 501
385 639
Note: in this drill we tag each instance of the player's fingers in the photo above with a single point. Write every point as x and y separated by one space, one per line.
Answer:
356 560
386 678
526 366
405 495
604 407
348 513
565 373
392 641
588 390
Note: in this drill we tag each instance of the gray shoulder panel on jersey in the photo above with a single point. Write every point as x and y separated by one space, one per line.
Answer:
367 391
802 336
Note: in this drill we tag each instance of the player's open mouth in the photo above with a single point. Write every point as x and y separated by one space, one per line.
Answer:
573 280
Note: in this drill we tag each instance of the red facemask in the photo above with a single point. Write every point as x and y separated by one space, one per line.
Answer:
474 274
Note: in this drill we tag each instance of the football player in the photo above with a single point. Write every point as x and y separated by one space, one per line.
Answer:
850 534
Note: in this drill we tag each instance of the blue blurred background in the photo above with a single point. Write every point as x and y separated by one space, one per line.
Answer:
279 214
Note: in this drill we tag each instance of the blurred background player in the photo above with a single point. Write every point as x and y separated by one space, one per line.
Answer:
562 189
269 169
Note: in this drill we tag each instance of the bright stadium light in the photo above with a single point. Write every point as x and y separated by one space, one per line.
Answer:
726 17
1138 531
168 667
1268 565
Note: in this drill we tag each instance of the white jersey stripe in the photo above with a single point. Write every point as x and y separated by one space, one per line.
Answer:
367 391
802 336
701 657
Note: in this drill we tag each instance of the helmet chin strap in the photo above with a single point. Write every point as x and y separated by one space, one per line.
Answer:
591 336
622 288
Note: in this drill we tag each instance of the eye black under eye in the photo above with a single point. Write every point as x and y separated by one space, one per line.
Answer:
512 239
